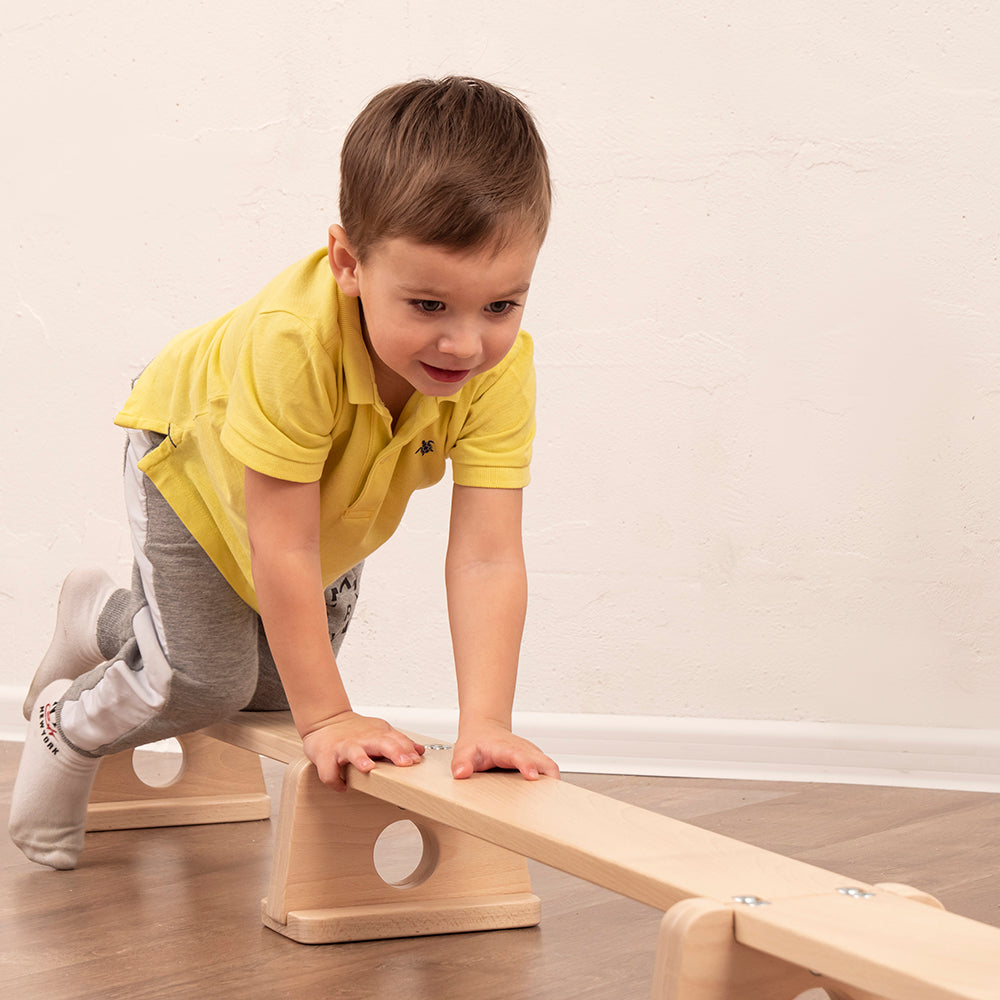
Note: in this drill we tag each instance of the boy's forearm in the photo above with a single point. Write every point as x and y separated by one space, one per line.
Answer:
487 599
486 609
487 604
293 609
283 527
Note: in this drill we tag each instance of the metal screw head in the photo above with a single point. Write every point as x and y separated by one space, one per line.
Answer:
751 901
856 893
438 746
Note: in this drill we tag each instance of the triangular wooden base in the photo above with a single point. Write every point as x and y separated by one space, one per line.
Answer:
325 886
217 783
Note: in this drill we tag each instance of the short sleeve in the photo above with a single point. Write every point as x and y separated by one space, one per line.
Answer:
494 446
282 400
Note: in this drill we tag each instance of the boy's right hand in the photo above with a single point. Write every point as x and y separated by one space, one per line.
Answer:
355 739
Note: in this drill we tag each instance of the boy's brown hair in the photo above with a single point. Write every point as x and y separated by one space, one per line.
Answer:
456 163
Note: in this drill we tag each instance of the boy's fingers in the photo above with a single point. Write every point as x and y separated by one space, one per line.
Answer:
401 751
414 751
531 766
332 776
527 766
333 759
545 766
463 765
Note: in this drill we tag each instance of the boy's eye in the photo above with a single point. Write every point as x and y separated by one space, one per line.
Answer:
428 305
500 308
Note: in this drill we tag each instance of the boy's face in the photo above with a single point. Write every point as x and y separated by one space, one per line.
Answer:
435 317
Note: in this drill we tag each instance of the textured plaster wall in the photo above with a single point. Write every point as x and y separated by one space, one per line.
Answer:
766 482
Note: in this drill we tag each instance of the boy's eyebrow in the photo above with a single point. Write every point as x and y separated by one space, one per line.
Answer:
429 293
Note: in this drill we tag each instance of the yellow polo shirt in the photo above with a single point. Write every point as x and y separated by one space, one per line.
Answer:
284 384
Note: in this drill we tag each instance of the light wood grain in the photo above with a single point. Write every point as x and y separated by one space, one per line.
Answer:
891 946
642 855
648 857
325 886
660 861
217 783
169 914
698 958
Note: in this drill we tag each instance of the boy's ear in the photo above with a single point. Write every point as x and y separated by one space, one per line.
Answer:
343 263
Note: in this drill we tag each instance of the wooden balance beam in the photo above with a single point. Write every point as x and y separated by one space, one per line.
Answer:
741 923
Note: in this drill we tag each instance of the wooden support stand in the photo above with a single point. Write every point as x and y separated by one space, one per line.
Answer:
803 928
325 886
217 783
700 955
699 958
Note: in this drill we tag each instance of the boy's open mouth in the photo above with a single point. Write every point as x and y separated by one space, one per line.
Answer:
444 374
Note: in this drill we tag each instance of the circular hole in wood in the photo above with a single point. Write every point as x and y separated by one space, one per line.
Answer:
159 764
404 854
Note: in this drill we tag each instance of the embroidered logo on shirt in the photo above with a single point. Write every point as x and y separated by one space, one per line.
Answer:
426 447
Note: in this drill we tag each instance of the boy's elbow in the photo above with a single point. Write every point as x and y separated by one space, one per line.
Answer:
469 567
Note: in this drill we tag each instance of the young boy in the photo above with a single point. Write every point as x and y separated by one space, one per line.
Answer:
273 449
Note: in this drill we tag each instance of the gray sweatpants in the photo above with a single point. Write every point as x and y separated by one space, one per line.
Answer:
183 649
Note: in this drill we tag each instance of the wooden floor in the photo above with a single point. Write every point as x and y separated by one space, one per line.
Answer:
172 914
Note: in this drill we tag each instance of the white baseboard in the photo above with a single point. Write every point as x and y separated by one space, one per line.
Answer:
836 753
839 753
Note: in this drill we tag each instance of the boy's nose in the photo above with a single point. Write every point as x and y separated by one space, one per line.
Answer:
461 340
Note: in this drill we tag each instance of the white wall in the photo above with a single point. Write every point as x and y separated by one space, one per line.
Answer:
766 482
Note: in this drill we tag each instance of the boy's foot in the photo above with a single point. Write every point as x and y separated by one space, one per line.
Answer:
73 650
48 809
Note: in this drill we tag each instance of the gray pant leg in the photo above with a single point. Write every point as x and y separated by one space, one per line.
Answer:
184 650
202 668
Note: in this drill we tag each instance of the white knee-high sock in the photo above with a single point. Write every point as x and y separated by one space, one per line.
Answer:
73 650
48 810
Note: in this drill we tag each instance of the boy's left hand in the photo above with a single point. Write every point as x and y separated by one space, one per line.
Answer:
489 745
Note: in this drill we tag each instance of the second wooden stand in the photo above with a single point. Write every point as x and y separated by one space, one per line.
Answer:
325 886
